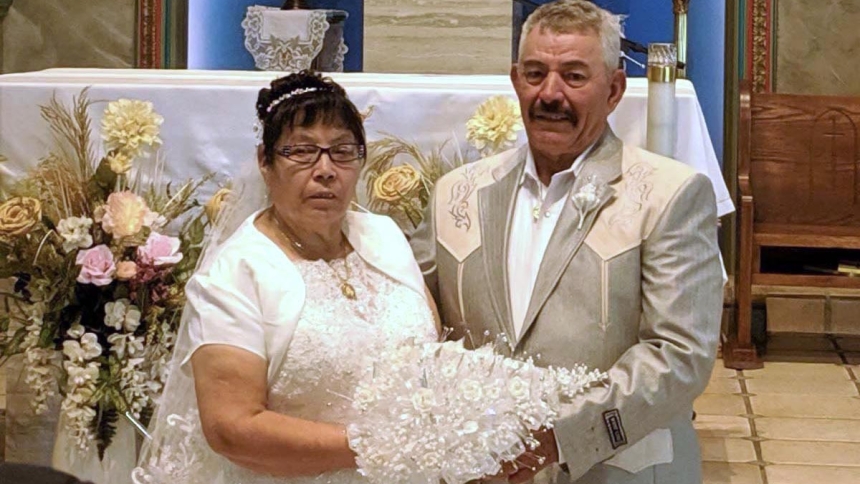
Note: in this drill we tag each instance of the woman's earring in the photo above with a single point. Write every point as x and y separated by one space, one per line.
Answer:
258 131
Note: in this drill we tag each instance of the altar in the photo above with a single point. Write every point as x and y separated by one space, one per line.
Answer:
209 115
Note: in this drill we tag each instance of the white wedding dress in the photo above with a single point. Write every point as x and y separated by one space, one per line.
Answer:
333 339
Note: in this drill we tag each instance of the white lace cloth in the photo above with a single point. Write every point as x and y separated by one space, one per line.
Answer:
333 338
289 40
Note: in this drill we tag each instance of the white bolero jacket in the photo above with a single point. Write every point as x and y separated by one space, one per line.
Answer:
252 294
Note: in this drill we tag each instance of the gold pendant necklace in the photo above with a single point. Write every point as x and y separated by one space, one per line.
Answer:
346 288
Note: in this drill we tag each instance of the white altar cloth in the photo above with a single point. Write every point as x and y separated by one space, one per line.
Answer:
208 115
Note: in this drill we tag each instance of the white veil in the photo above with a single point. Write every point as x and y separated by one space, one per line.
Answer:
176 451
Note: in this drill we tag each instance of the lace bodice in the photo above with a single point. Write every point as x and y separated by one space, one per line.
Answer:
334 337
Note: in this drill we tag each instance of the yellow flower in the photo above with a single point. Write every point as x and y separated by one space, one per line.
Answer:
119 162
213 206
18 215
494 125
396 183
125 213
129 125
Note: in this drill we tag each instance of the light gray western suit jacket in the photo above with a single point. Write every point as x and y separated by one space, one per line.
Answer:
636 291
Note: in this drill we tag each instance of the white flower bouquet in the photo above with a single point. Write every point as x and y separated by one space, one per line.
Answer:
437 411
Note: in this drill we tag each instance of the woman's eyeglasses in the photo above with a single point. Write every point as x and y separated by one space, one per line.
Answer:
345 153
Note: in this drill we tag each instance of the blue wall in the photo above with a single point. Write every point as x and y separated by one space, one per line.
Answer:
216 39
706 27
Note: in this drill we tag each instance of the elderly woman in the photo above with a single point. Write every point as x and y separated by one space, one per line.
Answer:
281 314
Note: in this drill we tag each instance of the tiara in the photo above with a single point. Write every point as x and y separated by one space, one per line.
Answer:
294 92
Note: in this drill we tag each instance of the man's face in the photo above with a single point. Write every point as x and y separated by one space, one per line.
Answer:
566 92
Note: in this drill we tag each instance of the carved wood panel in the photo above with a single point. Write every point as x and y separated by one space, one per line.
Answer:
804 160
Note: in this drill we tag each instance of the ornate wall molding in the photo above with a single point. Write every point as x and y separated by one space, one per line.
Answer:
759 44
149 52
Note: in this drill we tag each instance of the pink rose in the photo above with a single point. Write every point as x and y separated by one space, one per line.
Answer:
125 270
97 266
160 250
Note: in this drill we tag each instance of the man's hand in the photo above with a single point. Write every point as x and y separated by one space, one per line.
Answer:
532 462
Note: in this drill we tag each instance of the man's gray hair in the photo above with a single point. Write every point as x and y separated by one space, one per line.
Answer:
578 16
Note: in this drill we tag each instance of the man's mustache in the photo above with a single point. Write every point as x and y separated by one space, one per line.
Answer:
554 109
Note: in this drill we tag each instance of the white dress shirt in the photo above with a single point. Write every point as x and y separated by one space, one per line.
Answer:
536 213
535 216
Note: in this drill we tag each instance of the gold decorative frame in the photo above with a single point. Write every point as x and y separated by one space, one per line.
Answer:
759 51
161 38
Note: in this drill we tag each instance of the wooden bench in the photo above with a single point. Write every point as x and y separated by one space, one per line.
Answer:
798 187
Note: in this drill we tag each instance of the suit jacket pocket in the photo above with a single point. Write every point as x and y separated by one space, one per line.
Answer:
655 448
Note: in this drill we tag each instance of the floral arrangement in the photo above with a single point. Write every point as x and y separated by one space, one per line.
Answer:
439 412
99 252
402 189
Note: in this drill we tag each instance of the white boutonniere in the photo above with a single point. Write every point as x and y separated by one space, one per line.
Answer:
586 199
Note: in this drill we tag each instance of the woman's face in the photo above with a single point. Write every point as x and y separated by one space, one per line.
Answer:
318 191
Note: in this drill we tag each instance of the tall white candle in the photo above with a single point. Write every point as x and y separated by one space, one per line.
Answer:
662 126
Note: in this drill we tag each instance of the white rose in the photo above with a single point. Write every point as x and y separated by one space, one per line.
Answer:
471 390
75 232
469 427
518 388
430 460
364 396
449 370
423 400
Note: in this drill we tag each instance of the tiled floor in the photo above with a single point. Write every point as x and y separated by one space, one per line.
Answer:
797 421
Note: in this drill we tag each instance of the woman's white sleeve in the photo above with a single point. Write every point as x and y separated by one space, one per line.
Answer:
223 307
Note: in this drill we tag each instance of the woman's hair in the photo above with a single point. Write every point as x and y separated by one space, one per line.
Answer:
302 100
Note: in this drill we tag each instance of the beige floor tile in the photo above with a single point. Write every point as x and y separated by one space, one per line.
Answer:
719 404
760 386
793 356
730 473
808 429
798 342
716 449
720 371
811 453
798 371
806 406
789 474
853 360
724 385
724 426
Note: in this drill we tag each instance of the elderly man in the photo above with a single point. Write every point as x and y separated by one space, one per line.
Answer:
579 248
